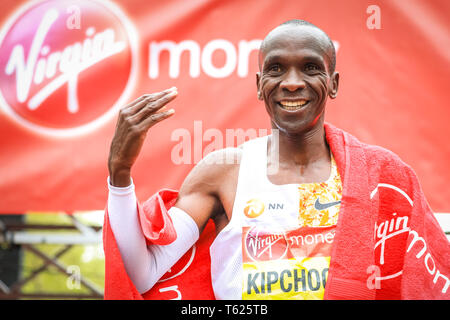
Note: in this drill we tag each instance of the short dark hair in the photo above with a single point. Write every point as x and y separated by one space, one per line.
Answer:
299 22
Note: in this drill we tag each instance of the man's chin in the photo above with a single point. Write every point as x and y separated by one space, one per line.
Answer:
291 129
296 128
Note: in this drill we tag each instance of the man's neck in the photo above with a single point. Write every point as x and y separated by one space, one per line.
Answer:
302 149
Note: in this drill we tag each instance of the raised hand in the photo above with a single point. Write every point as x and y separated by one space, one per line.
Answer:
133 123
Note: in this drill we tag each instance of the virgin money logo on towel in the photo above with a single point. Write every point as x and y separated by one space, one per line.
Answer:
65 65
389 231
392 225
264 244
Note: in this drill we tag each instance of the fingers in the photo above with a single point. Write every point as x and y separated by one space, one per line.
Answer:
132 103
151 101
149 98
154 104
155 118
144 112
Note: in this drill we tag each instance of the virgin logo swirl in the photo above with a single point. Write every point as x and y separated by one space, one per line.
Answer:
59 80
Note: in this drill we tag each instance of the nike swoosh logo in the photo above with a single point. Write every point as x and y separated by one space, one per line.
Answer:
322 206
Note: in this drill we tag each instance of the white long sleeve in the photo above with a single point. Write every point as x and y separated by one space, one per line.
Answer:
145 265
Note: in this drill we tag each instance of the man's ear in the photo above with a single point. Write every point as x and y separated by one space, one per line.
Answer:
258 76
334 85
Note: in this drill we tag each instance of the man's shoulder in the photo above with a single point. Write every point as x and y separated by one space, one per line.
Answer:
378 158
381 154
215 168
373 152
384 160
223 158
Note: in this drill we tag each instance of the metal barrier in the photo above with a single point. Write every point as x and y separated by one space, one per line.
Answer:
78 233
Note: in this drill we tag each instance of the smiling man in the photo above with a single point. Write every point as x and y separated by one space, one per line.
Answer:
309 229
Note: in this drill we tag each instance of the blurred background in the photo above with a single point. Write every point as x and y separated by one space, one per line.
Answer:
67 66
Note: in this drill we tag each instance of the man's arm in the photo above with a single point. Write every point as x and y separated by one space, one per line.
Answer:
196 203
199 194
145 265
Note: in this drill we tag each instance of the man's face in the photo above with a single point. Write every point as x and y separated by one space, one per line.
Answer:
295 80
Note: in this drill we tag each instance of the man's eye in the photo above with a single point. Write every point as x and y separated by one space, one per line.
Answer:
275 68
311 67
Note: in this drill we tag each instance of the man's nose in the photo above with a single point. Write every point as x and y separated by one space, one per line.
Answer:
292 81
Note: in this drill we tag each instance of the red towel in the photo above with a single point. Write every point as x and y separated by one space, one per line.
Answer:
188 279
388 244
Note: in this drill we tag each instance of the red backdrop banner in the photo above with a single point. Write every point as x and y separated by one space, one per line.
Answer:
67 66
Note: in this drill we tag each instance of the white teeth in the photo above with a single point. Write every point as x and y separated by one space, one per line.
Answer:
292 105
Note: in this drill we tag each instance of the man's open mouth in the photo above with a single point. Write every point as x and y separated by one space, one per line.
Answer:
293 105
